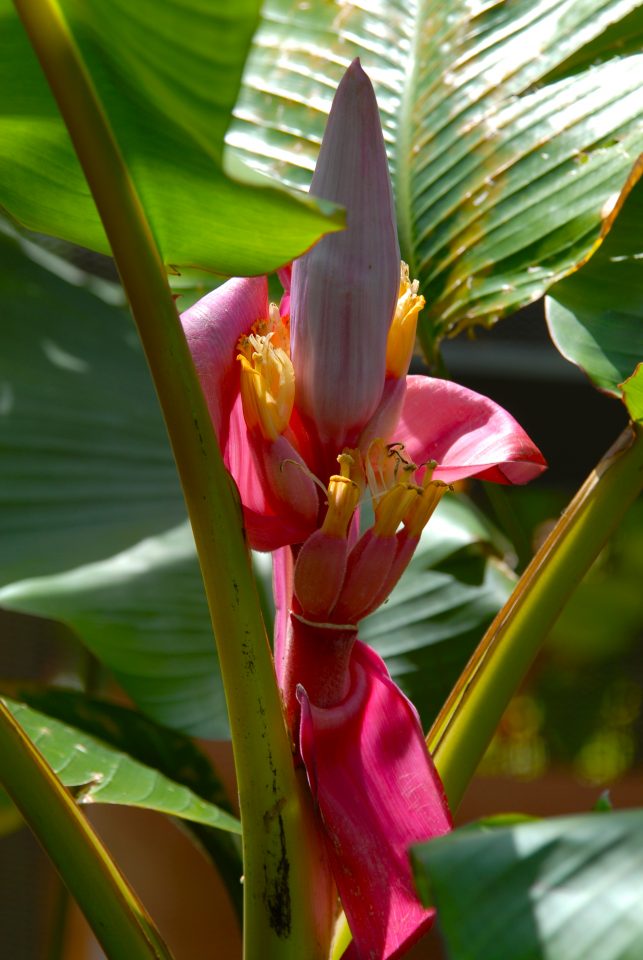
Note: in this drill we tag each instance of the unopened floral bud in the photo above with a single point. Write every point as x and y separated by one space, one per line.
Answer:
366 570
319 574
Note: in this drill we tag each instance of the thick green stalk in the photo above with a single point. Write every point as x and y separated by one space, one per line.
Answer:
473 710
112 909
280 912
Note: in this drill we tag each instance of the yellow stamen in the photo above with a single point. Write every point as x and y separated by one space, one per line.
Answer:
343 494
422 509
386 464
276 325
401 336
393 507
267 376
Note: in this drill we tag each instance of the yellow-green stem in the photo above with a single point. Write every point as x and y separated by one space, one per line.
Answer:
473 710
279 910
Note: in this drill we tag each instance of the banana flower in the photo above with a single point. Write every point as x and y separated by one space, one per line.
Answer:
316 414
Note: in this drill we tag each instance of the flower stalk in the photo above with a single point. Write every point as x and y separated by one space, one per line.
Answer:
280 916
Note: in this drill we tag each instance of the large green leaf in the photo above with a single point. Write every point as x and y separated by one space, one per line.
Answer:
595 317
551 890
167 76
86 466
100 774
173 754
87 477
143 614
502 171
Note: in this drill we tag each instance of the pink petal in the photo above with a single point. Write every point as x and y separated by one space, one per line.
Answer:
345 289
466 433
377 793
212 328
367 569
285 275
268 523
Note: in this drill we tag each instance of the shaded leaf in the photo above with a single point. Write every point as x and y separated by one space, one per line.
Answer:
143 614
595 317
502 171
86 466
167 78
550 890
100 774
86 459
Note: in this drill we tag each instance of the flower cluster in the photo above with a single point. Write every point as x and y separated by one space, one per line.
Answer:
316 416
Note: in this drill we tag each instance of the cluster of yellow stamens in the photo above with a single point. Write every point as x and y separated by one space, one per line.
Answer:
267 375
397 497
401 335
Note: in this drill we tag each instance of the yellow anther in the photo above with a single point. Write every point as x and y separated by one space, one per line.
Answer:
401 335
430 494
344 490
387 464
393 507
267 384
276 325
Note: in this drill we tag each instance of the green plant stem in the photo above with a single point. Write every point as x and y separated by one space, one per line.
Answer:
280 918
473 710
117 918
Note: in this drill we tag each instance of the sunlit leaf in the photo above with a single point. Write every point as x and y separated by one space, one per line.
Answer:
549 890
167 76
502 166
169 753
633 393
99 774
595 317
